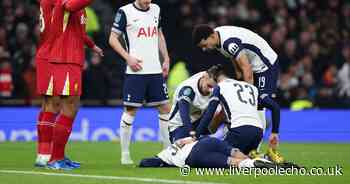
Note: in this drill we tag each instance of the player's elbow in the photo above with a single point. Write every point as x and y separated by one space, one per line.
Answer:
110 40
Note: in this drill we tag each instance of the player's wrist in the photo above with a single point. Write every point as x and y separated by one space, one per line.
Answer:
166 59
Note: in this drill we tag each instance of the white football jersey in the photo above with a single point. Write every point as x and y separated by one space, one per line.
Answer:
140 30
235 40
240 100
197 105
173 155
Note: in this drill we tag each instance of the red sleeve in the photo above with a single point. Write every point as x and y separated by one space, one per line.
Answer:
88 41
75 5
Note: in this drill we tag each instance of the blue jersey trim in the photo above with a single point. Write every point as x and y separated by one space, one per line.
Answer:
121 20
258 52
241 46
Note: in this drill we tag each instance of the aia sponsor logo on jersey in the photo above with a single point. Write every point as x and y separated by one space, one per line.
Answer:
147 32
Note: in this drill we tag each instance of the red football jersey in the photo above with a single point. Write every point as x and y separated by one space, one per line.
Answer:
69 21
46 9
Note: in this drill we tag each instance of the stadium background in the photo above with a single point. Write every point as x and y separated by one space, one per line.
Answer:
311 38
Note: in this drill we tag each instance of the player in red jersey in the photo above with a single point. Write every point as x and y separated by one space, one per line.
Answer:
50 104
66 58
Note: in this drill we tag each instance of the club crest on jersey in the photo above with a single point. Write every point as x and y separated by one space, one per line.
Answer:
147 32
83 19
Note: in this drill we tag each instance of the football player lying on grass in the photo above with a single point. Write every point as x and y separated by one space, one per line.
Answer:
205 152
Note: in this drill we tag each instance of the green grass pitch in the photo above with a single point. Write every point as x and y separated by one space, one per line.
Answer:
102 159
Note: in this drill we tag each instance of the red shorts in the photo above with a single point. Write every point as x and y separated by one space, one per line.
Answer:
56 79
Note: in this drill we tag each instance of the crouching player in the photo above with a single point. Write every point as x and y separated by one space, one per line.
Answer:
239 102
207 152
191 99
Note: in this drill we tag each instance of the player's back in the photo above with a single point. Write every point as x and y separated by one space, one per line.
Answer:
45 17
240 100
251 42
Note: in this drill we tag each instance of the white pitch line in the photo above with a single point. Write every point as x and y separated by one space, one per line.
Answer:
151 180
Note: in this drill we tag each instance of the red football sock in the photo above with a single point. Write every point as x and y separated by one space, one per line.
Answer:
61 133
46 122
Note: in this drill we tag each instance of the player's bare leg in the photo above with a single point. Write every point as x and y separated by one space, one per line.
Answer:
49 109
125 132
164 111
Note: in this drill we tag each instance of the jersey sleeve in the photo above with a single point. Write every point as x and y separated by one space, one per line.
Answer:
119 24
233 46
187 94
184 100
209 113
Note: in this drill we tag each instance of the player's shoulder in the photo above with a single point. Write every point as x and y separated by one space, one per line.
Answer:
246 84
154 6
126 7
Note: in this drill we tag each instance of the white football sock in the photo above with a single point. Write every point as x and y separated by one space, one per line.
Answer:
163 130
43 157
125 132
262 115
246 163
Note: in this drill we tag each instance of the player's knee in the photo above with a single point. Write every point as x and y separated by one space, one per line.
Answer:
130 110
52 104
70 105
164 108
127 119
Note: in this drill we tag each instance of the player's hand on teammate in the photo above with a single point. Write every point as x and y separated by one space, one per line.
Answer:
165 67
98 50
134 64
273 140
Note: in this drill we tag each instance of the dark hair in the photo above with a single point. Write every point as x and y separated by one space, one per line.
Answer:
215 71
200 32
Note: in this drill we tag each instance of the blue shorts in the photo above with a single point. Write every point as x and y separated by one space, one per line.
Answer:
209 152
246 138
148 89
266 82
